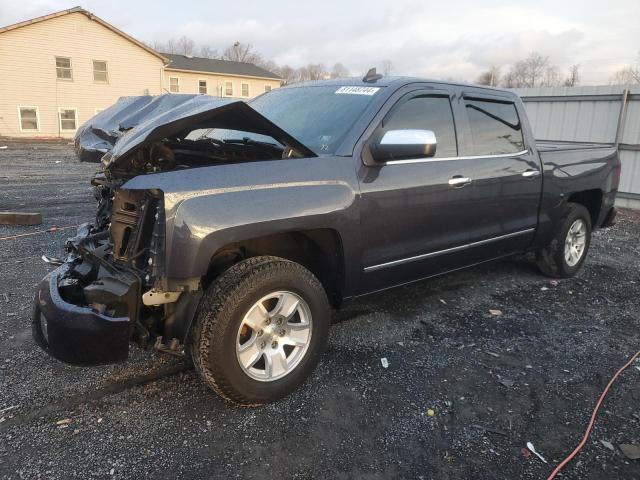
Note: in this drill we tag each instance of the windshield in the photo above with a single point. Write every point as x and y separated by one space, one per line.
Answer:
318 117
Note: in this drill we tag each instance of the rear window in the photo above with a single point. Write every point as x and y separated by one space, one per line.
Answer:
495 127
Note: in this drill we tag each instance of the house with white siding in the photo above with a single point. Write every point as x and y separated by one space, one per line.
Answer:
58 70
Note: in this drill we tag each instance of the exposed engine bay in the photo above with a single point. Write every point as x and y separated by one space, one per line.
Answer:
181 153
155 134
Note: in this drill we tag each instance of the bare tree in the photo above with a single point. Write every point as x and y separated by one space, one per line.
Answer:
288 74
573 78
551 77
317 71
171 46
339 70
534 68
537 68
533 71
312 71
158 46
241 52
185 46
517 76
303 74
627 75
491 77
387 67
207 52
268 65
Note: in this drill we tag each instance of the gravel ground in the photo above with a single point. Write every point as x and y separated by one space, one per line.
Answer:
493 382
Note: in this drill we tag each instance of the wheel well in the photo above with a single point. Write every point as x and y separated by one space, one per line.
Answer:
591 199
319 250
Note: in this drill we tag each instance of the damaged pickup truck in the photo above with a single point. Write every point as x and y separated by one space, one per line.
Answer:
226 231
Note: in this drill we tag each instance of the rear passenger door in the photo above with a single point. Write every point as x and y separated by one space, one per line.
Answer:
506 175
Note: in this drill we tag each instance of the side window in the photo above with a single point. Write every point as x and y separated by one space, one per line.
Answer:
427 113
68 119
174 84
29 119
100 73
495 127
63 68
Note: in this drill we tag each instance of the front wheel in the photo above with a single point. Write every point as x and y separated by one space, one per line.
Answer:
566 253
260 330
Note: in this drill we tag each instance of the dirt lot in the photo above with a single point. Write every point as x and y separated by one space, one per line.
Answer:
553 348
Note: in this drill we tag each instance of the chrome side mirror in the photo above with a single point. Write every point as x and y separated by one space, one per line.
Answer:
404 144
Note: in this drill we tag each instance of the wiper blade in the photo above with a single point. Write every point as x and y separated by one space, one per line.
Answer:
249 141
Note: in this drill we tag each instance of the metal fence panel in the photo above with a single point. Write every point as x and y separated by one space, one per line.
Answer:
590 114
630 175
631 134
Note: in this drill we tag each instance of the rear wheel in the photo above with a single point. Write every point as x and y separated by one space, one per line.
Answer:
260 330
566 253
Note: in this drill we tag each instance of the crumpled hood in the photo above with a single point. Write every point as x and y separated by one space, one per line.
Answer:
133 122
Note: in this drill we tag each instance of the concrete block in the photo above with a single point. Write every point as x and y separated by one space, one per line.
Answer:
20 218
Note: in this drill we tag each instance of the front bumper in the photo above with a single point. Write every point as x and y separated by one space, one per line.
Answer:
81 335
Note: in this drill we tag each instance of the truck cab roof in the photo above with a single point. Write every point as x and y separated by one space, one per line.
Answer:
394 82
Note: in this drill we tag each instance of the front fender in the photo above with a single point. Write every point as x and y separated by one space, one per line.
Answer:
219 217
209 207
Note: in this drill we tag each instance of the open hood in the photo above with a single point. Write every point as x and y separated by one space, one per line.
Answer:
123 129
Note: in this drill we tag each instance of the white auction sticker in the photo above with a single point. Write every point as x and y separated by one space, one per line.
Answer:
357 90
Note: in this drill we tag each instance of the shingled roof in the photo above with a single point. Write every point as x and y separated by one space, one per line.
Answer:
210 65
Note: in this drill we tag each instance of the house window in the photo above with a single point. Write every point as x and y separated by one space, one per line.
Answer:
267 88
100 71
228 89
174 84
29 119
67 119
63 68
244 89
202 87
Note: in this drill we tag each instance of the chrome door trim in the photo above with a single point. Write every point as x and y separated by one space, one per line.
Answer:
445 159
402 261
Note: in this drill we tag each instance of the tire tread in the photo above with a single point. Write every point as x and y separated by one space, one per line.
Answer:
216 309
550 259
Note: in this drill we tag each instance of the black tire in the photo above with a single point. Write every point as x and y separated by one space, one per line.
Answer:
220 315
551 260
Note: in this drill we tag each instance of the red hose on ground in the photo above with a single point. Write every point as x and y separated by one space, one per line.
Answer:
593 418
37 232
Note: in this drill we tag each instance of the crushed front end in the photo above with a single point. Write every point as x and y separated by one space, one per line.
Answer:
113 286
88 309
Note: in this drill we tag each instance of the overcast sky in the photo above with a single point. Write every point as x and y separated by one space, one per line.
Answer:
455 38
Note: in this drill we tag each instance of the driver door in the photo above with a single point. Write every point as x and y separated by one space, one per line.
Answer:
417 213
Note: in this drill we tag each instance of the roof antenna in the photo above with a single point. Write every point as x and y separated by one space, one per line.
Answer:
371 76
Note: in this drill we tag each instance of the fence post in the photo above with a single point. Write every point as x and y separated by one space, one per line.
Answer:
622 116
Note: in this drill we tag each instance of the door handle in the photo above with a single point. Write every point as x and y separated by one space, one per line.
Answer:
459 181
531 173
